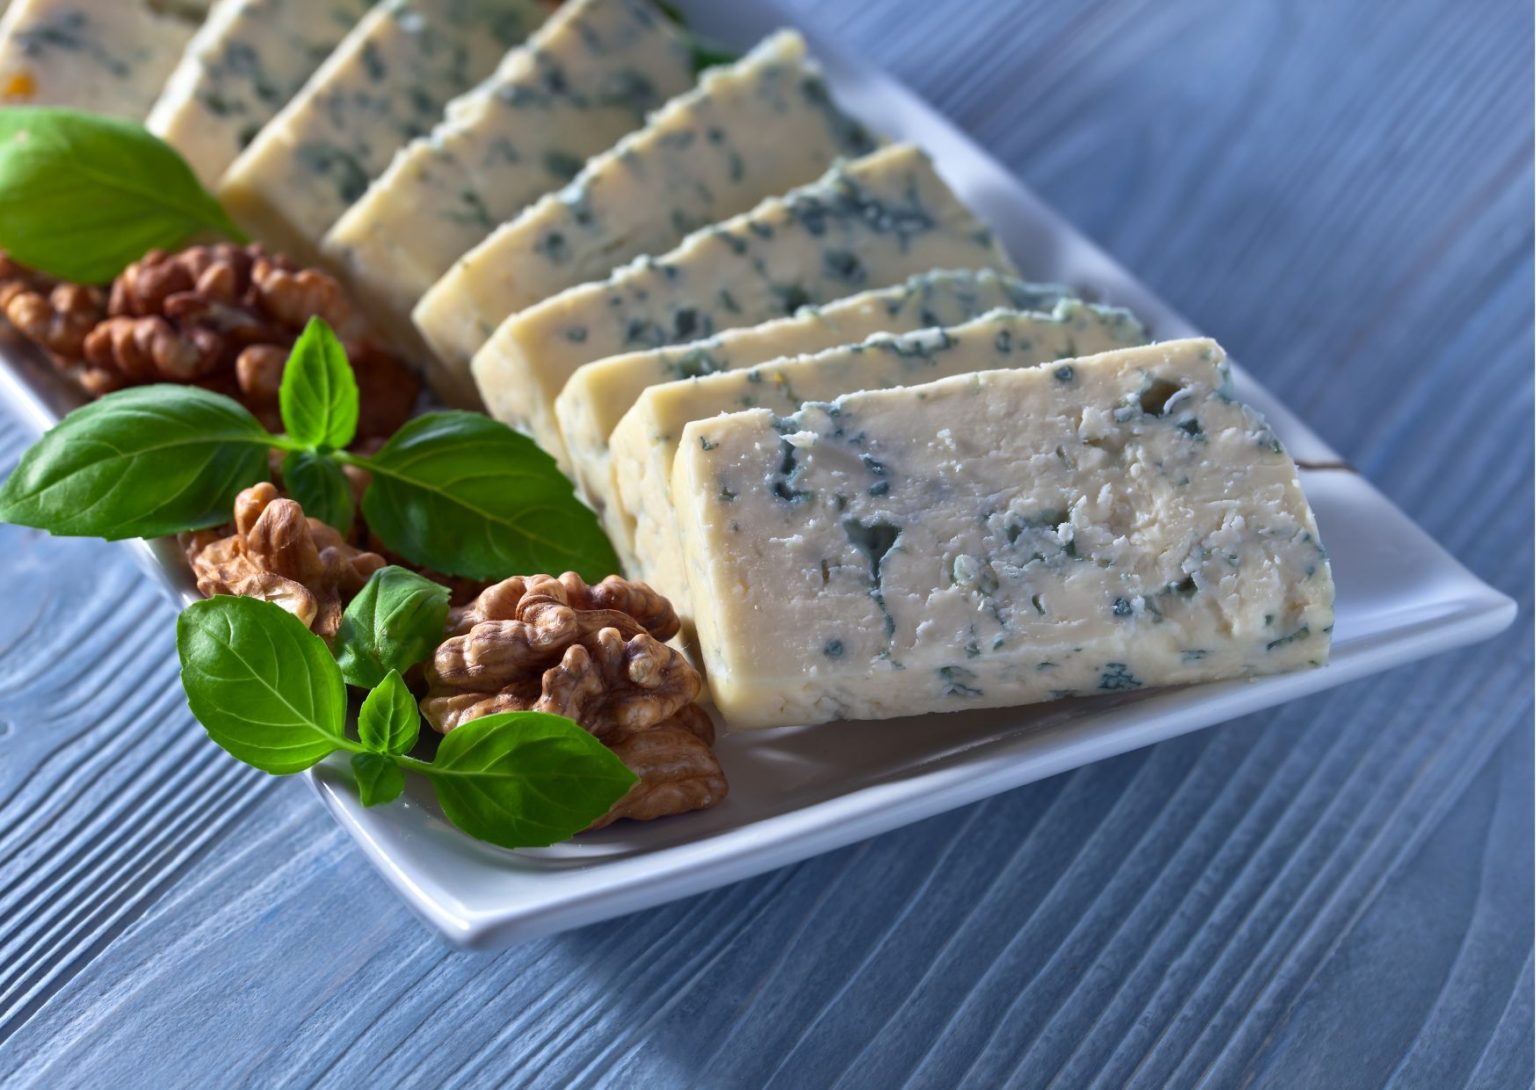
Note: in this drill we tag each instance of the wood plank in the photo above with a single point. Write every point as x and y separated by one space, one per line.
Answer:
110 789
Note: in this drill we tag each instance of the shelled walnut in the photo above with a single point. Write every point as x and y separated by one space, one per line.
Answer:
677 767
595 655
278 555
220 316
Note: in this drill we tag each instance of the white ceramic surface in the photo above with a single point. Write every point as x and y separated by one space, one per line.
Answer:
797 792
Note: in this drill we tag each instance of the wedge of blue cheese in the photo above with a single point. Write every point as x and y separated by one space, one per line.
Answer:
639 510
242 66
1103 525
600 393
750 130
385 84
869 223
107 58
590 75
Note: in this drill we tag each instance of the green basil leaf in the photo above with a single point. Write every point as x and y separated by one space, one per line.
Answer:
706 54
525 779
466 495
389 721
318 395
395 621
141 462
320 487
263 686
379 779
85 195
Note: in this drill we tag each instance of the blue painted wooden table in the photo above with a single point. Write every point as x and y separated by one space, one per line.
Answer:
1334 894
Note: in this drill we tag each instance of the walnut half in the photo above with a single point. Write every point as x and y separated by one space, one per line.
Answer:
594 654
280 556
677 769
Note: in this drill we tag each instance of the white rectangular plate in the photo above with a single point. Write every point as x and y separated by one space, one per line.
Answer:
796 792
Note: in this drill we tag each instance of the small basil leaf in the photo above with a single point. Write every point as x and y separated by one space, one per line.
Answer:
706 54
389 721
318 395
320 487
395 621
525 779
141 462
379 779
466 495
263 686
85 195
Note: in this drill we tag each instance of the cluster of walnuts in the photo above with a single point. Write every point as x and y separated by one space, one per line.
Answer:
222 316
595 654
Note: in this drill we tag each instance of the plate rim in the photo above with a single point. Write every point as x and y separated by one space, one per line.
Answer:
863 812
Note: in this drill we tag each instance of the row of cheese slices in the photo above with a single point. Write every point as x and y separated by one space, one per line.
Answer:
795 376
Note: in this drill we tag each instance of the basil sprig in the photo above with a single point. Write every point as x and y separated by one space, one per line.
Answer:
452 491
267 690
85 195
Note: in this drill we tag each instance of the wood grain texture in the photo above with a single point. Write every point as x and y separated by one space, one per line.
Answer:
1333 894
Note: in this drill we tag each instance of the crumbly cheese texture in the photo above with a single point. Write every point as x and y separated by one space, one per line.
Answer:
383 86
590 75
750 130
243 66
640 515
108 58
868 223
601 392
1103 525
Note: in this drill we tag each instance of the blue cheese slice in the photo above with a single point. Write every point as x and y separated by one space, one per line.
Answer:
243 66
1096 526
639 509
385 84
872 222
750 130
590 75
107 58
601 392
